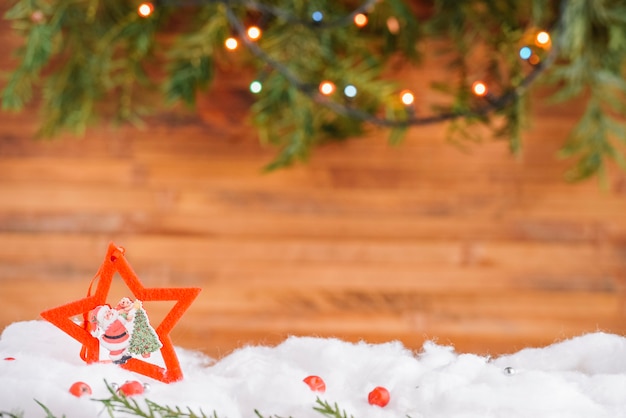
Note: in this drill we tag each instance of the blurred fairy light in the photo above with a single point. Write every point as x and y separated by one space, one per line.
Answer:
327 88
393 25
407 97
479 88
350 91
145 9
231 43
360 20
317 16
256 87
542 39
254 33
525 52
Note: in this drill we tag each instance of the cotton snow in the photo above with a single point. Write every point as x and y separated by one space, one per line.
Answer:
581 377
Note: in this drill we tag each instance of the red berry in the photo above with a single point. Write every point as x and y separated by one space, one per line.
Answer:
316 383
379 396
132 387
79 389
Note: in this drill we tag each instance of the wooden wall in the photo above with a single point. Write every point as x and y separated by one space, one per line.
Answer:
423 241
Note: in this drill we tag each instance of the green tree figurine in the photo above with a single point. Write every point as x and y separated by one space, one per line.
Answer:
144 339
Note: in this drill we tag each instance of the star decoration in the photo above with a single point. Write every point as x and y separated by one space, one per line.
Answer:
116 262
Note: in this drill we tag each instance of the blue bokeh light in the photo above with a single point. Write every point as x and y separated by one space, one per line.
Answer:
525 52
350 91
317 16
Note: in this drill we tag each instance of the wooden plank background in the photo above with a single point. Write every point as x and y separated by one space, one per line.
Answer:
474 248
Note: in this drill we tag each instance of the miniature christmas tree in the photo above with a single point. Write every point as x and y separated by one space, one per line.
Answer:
144 339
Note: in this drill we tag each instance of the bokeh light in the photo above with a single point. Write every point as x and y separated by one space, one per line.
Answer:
525 52
350 91
407 97
231 43
542 39
327 88
317 16
256 87
254 33
479 88
360 20
145 9
393 25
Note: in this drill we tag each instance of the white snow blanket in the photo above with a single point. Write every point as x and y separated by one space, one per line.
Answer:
583 377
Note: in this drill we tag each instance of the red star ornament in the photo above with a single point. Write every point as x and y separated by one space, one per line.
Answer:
116 262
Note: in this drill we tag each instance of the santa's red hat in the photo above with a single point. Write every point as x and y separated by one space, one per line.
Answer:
96 316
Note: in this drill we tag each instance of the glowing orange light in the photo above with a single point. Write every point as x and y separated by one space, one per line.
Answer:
360 20
254 33
407 97
145 9
542 39
231 43
479 88
327 88
393 25
37 16
534 59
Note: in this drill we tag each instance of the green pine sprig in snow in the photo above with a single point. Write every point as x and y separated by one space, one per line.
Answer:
118 403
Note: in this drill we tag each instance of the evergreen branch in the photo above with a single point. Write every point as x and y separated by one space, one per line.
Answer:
119 403
495 103
290 18
4 414
259 415
330 411
593 64
323 407
177 412
259 53
281 13
49 413
91 56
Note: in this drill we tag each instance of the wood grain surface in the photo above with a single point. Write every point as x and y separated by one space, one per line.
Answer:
471 247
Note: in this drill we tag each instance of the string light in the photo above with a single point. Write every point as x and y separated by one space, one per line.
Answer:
393 25
360 20
479 88
531 39
525 52
350 91
542 39
534 59
327 88
37 16
231 43
145 9
254 33
317 16
256 87
407 97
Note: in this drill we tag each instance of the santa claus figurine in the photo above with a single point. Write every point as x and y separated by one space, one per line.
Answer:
109 327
